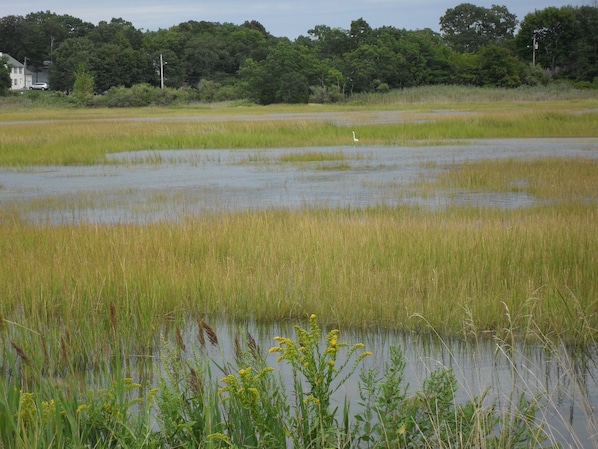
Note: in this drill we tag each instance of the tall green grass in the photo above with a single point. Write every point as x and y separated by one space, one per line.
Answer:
357 267
88 142
552 179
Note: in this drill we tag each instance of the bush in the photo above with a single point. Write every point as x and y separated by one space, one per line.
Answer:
583 85
144 95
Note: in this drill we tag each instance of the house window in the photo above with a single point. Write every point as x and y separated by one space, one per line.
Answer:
15 82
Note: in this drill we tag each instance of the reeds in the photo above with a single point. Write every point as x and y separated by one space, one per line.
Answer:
357 267
88 142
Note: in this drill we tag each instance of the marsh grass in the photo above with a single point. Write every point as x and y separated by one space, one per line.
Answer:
360 267
313 156
94 298
375 267
88 142
554 179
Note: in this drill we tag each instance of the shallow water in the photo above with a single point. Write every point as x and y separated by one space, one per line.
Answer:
154 185
568 386
146 186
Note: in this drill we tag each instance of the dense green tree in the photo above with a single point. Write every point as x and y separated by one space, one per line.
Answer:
83 87
361 67
171 45
15 36
119 32
244 42
437 56
361 33
464 68
255 25
206 57
425 56
5 81
49 30
582 54
120 57
329 43
499 68
553 30
468 27
116 65
71 54
284 76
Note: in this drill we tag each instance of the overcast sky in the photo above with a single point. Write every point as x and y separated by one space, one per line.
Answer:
289 18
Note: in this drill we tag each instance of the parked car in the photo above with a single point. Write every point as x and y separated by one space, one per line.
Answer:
39 86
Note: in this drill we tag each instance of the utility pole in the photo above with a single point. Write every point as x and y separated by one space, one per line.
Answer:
25 72
161 72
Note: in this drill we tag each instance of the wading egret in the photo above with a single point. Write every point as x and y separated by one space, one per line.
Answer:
355 139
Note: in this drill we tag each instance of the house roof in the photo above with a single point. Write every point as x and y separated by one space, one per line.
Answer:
13 62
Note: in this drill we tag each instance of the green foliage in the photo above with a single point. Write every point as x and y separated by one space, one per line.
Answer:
5 80
323 373
144 94
188 405
499 68
107 417
84 86
72 54
249 406
331 62
554 32
466 28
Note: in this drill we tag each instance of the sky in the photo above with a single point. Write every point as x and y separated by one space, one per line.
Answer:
290 18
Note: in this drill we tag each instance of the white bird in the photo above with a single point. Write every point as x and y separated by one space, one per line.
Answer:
355 139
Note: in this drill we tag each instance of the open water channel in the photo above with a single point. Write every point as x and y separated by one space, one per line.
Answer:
154 185
160 185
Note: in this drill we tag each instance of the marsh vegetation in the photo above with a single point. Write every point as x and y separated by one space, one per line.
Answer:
83 303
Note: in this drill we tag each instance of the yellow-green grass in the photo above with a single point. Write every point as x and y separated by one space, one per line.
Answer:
88 142
426 98
362 268
554 179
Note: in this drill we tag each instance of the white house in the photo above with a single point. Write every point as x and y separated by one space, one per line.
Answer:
21 77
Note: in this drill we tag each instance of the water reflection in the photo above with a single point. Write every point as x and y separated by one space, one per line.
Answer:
146 186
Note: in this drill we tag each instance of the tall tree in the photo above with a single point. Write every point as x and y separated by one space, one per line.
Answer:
49 30
15 36
70 55
468 27
5 80
330 43
284 76
553 30
499 68
582 49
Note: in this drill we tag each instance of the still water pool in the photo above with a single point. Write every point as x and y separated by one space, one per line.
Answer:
145 186
566 385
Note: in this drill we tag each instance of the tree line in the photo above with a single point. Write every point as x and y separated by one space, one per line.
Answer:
475 46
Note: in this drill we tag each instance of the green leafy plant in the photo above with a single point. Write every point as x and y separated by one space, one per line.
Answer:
319 371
